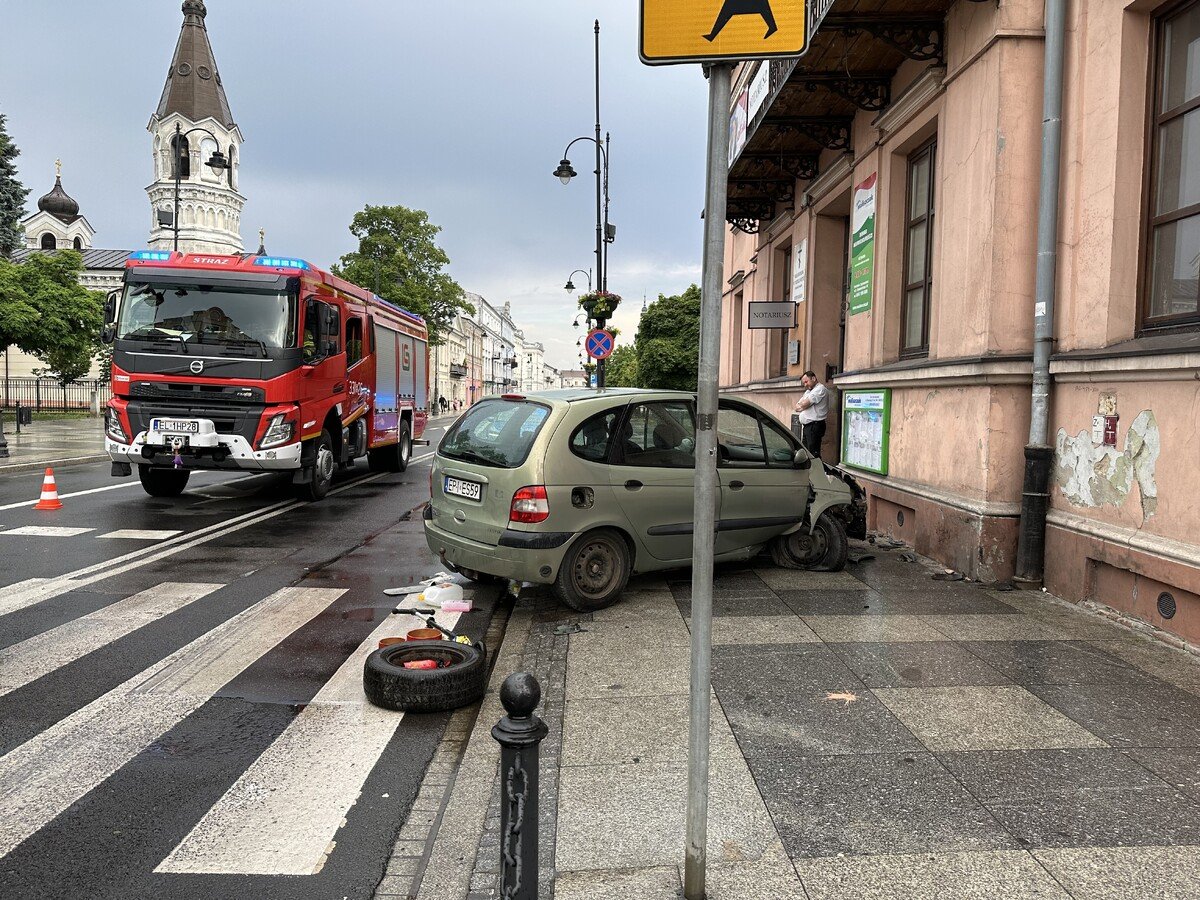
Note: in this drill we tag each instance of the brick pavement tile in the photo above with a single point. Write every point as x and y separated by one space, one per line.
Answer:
1178 767
1129 715
1055 662
990 717
878 803
1107 873
873 629
917 664
1008 874
1077 798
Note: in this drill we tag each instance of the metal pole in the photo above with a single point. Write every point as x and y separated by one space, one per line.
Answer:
519 733
178 168
1035 496
705 513
601 269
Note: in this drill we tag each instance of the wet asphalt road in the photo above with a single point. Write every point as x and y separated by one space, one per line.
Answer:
122 727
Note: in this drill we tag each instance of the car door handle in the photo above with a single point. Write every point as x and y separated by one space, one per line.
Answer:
736 485
338 388
633 485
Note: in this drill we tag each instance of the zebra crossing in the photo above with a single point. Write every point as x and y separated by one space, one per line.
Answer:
283 815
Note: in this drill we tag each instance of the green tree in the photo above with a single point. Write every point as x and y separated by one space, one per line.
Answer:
668 342
398 258
621 369
48 314
12 194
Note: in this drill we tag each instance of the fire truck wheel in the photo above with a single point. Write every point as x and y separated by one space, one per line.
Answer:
459 679
403 448
160 482
322 470
394 457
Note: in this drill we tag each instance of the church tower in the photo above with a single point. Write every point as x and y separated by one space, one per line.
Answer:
191 124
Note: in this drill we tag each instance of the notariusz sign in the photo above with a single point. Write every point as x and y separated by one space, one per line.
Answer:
772 315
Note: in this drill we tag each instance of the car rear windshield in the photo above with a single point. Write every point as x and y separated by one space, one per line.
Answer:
495 433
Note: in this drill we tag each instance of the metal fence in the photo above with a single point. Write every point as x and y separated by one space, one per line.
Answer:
50 395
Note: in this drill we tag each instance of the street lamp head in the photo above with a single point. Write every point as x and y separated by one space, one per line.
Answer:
217 162
569 287
564 172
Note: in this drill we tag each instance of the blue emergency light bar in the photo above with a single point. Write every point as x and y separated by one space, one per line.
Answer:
276 262
151 255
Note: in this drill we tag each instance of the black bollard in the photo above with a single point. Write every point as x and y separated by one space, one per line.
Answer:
519 733
3 441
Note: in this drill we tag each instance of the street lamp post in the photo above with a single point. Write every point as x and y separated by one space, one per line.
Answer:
604 232
217 162
569 287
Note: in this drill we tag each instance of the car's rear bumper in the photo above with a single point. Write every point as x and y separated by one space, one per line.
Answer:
521 556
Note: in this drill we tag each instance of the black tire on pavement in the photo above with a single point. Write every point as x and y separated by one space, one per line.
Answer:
160 482
594 571
826 550
389 685
322 471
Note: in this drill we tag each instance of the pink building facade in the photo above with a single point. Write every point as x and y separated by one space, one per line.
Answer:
888 184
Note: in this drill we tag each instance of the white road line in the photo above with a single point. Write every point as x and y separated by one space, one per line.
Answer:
99 490
48 773
29 660
134 534
46 531
39 591
282 815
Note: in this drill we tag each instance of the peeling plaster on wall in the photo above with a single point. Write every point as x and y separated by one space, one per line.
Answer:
1094 475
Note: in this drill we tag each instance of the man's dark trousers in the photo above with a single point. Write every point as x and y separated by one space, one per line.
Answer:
811 436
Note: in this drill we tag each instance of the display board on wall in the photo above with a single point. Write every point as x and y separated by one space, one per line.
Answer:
862 246
800 276
772 314
866 422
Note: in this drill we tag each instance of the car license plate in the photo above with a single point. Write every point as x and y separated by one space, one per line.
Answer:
472 490
176 426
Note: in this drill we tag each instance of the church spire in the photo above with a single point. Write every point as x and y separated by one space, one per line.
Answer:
193 87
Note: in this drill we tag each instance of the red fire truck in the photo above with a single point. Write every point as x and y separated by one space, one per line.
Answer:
260 363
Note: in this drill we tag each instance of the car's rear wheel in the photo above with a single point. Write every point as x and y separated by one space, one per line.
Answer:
594 572
160 482
826 549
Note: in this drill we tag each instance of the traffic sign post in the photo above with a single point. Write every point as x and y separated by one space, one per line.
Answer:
599 343
684 31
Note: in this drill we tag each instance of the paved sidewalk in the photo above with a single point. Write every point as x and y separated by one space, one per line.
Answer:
876 734
53 442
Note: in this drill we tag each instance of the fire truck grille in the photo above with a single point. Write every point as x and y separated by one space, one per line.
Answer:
227 419
202 393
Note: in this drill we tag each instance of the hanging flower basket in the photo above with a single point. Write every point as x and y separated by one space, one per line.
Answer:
600 305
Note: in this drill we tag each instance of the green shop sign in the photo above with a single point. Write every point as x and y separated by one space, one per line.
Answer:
862 246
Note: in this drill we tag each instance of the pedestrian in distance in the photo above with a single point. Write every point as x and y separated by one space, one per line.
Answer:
813 407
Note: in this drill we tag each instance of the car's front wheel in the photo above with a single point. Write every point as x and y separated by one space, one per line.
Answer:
826 549
594 572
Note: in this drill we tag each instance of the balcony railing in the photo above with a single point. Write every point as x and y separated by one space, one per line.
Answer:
458 370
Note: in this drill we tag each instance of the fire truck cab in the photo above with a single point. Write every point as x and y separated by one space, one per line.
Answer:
259 363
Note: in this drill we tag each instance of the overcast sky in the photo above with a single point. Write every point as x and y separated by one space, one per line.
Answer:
460 107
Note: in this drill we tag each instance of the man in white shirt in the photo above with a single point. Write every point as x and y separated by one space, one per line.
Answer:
813 408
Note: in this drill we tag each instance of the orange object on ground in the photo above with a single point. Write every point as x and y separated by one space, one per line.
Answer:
424 634
49 498
421 664
389 641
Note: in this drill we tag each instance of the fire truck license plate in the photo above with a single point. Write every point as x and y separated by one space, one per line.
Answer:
472 490
175 426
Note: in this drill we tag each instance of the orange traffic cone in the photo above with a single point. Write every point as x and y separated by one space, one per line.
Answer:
49 499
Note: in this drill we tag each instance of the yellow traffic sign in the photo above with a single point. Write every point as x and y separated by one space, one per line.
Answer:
691 31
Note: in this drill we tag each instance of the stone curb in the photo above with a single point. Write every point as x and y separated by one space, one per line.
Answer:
17 468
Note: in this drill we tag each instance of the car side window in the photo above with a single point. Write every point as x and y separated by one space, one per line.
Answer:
661 435
591 439
739 439
781 449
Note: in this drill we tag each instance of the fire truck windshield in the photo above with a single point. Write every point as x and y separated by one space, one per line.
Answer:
187 315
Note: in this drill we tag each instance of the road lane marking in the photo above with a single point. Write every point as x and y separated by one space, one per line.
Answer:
134 534
46 531
282 815
40 655
48 773
38 591
99 490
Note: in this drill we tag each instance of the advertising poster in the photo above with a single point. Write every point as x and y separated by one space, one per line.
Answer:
757 90
800 276
866 420
862 246
737 127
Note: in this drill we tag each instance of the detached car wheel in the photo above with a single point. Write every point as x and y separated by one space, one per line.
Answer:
594 572
825 550
459 680
159 482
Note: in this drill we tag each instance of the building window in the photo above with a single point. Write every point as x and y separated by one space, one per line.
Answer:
181 150
918 252
1173 222
779 336
48 241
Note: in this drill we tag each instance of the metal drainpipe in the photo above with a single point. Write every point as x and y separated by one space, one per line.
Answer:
1039 455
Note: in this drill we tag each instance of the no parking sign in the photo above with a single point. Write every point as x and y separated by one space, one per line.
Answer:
599 343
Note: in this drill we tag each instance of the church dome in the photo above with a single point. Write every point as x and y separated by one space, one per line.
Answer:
59 203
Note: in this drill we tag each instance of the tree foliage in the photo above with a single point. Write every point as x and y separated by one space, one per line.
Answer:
12 194
621 369
398 258
668 342
48 314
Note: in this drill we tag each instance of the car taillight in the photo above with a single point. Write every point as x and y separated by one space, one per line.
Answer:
530 505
